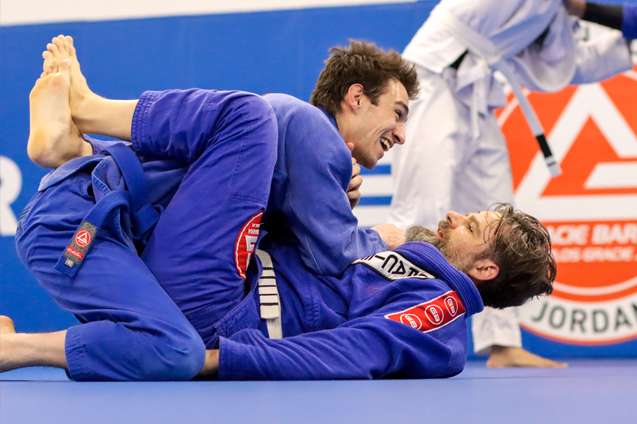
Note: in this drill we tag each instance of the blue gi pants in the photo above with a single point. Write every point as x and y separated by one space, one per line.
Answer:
131 328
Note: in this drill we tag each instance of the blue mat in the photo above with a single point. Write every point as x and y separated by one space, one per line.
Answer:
586 392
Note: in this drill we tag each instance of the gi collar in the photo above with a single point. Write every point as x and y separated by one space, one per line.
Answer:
432 260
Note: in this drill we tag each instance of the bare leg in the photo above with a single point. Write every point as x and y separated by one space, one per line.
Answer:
509 357
19 350
53 138
93 114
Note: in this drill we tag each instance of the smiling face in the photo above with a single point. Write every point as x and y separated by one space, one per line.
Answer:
372 129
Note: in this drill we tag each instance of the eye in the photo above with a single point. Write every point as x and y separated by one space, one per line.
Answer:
470 227
399 115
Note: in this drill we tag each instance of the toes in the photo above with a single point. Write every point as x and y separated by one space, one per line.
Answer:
6 325
60 43
47 64
54 49
70 45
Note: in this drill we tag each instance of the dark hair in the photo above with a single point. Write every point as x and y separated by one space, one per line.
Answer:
363 63
521 247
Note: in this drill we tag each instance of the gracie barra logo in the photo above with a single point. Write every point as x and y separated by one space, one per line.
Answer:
246 242
431 315
590 211
393 266
83 238
80 244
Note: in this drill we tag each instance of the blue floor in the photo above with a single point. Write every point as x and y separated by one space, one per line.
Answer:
597 392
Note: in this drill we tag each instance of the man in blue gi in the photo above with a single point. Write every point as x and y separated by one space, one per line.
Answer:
391 314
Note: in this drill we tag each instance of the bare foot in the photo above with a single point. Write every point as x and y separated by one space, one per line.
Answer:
510 357
6 331
53 138
81 97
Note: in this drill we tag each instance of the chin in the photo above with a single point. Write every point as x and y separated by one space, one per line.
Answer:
367 162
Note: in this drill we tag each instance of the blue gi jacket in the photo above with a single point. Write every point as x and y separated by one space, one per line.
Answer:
308 205
361 325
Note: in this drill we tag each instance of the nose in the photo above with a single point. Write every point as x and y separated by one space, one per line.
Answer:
455 219
399 133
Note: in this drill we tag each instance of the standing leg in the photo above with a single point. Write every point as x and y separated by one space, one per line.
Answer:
487 180
425 168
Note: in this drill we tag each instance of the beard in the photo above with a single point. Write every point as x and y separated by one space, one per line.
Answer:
441 241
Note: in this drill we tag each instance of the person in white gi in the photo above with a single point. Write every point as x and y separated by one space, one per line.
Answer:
455 156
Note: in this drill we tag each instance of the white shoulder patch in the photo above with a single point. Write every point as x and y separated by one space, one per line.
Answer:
393 266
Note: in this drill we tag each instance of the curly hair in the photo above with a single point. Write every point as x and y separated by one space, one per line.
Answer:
521 246
363 63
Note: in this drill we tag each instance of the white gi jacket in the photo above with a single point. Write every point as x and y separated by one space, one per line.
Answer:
455 156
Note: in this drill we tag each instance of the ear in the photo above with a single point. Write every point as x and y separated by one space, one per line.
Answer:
353 97
484 270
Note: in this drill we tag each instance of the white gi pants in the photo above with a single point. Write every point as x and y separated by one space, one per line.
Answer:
443 166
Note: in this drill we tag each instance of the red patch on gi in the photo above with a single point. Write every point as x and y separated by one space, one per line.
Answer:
432 314
79 255
83 238
246 242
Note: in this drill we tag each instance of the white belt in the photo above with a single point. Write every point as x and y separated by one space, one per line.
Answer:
269 301
484 48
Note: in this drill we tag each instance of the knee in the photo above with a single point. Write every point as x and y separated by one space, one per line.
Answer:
255 113
178 355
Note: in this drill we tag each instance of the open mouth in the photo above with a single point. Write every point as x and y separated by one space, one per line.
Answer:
386 144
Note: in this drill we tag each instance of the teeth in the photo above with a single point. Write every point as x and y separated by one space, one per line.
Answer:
386 144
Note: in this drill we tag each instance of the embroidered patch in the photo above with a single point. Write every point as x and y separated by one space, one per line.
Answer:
246 242
393 266
80 244
431 315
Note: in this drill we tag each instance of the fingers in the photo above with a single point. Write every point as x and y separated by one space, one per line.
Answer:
356 168
354 197
355 183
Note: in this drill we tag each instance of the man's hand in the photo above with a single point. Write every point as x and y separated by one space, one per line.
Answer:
353 190
575 7
391 235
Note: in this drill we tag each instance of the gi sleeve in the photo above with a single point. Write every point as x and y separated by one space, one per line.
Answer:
610 15
319 213
601 57
629 21
181 124
392 341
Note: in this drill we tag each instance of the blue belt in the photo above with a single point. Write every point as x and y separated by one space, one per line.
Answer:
134 201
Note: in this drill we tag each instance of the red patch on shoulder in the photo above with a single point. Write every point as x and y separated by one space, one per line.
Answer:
430 315
246 242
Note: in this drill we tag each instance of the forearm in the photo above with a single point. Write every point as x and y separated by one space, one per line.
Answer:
211 364
610 15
